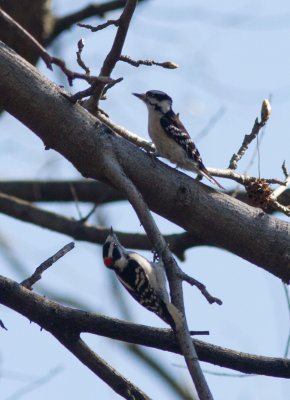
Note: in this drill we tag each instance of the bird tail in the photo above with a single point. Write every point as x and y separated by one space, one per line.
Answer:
174 317
205 173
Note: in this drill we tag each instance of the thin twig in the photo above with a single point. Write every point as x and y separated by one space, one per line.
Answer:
2 325
47 58
283 186
213 120
265 115
85 218
101 26
81 45
240 178
36 276
24 390
277 192
283 209
149 63
201 287
91 10
126 134
76 201
284 169
109 85
114 54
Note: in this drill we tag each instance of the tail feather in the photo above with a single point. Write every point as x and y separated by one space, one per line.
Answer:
174 317
205 173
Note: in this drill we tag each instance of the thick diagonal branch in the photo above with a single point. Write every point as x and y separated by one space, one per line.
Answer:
215 217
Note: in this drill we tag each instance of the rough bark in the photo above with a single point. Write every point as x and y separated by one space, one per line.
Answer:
80 138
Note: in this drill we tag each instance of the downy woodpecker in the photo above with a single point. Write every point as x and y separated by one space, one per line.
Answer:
144 280
170 137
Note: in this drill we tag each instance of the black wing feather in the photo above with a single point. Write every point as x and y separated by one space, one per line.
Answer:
143 292
176 131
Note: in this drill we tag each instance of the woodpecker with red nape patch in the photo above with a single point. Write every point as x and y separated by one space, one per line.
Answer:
144 280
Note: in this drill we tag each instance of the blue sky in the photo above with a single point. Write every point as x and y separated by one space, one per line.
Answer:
231 55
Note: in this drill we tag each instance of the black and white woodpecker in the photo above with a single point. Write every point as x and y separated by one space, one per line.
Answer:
171 139
144 280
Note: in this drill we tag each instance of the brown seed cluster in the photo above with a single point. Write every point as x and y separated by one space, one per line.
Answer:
259 193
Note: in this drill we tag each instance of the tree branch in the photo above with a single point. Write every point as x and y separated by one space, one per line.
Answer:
79 230
100 368
265 115
36 276
92 192
114 54
74 133
114 172
66 22
52 316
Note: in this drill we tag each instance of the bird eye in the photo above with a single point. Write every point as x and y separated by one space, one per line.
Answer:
106 249
116 253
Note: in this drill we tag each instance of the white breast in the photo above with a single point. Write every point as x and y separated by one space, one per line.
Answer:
166 147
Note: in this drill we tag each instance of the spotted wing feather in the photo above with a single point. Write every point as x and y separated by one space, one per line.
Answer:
176 131
143 292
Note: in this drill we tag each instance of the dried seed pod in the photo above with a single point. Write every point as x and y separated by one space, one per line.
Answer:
259 193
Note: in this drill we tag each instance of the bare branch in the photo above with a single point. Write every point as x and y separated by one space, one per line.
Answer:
52 316
119 179
265 115
36 276
99 193
240 178
114 54
284 169
281 189
2 325
82 231
66 22
149 63
126 134
55 191
201 287
109 85
100 368
101 26
283 209
47 58
81 44
24 34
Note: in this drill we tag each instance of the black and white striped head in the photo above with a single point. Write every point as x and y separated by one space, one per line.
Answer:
156 100
114 254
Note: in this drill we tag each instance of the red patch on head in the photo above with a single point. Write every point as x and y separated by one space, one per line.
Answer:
108 261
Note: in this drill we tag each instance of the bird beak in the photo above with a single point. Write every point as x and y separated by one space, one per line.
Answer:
141 96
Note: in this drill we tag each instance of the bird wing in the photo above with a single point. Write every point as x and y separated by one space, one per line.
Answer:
143 292
175 129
